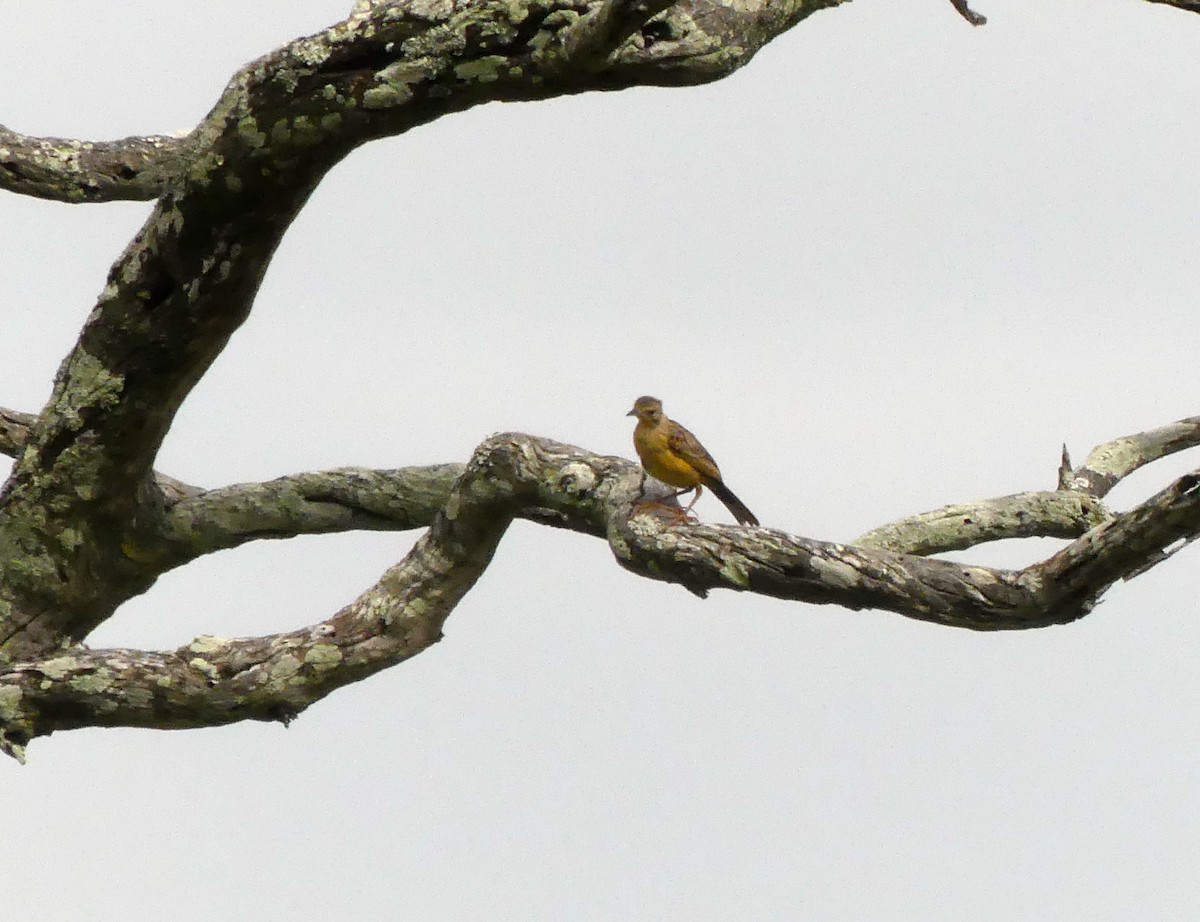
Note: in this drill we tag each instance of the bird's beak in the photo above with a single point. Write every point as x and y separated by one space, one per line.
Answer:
631 413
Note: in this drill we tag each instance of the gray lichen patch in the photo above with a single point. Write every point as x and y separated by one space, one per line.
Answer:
281 133
386 96
835 572
483 70
576 478
323 656
734 569
312 51
58 668
91 384
431 9
394 83
284 669
305 132
203 666
248 131
70 539
208 643
1117 457
10 702
138 697
94 683
980 575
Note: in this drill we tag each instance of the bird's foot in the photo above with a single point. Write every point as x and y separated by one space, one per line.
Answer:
664 507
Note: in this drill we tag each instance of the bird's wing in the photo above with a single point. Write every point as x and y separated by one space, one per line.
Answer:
688 447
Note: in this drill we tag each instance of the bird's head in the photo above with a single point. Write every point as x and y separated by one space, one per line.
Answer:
648 409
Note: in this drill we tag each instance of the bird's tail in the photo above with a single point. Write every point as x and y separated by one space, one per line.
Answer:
732 503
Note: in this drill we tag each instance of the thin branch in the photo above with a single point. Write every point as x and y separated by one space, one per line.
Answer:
965 11
63 170
1067 512
346 499
1108 463
1045 514
1192 6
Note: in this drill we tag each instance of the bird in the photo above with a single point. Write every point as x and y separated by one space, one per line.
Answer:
673 455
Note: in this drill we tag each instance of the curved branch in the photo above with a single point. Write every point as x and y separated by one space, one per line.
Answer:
1067 512
188 280
1108 463
215 681
63 170
1042 514
965 11
1192 6
346 499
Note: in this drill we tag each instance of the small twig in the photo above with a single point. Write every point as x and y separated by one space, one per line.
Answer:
1191 6
1064 469
975 19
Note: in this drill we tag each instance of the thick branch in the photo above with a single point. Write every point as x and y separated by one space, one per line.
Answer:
1125 546
78 495
215 681
218 681
64 170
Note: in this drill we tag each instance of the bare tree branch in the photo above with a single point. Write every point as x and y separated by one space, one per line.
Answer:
86 523
1192 6
63 170
1045 514
188 280
215 681
347 499
1067 512
965 11
1107 464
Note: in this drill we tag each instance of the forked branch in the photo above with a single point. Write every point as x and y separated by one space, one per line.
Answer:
215 681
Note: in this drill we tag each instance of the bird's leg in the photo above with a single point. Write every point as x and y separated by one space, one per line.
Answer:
685 512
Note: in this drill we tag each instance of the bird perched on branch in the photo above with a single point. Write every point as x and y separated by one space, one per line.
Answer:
673 455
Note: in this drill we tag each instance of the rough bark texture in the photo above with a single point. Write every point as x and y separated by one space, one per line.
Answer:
86 523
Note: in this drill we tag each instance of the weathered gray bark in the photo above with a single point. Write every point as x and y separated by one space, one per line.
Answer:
86 523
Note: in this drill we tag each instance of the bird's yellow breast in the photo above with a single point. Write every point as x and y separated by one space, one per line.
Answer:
653 447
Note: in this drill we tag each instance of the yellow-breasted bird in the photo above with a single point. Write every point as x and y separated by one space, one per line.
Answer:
673 455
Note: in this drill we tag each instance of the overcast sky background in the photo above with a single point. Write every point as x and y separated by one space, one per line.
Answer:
893 263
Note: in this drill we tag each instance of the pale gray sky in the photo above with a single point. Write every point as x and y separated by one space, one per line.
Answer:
911 257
